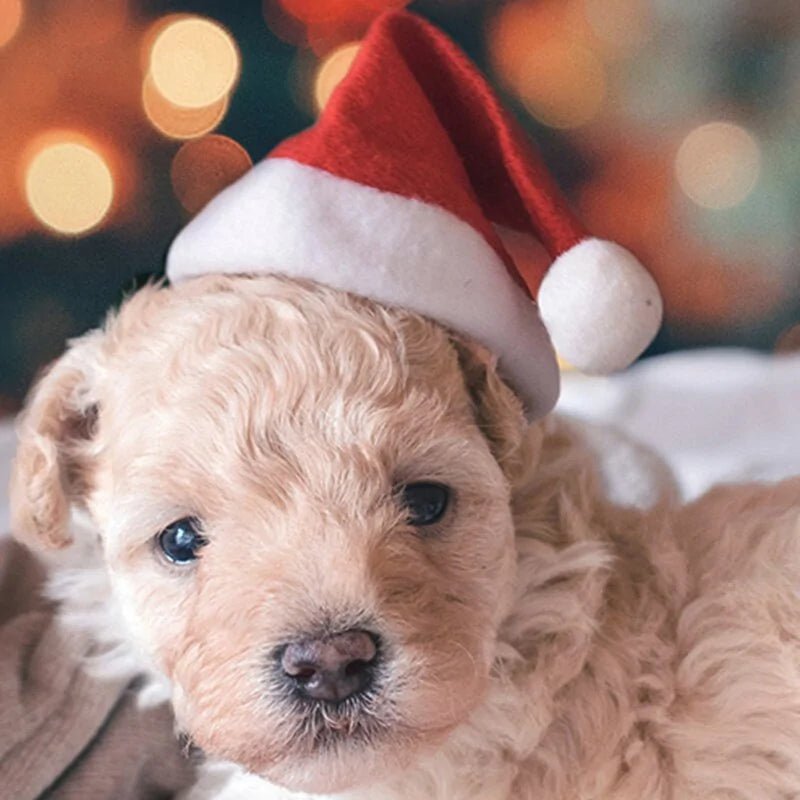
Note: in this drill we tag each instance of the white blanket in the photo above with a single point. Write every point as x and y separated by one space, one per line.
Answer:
714 415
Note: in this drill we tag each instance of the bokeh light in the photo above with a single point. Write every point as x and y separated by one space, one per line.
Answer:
622 25
518 29
154 29
10 19
194 62
626 82
204 167
331 71
629 199
179 122
563 85
69 186
545 53
87 23
718 165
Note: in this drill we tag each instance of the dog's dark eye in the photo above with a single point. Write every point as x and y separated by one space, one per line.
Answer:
181 540
425 503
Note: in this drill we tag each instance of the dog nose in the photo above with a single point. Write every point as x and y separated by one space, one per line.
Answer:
331 668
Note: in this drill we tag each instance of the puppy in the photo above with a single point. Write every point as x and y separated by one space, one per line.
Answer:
323 530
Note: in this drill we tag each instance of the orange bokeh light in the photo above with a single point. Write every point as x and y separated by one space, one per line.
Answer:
563 85
87 23
10 19
152 32
202 168
68 183
622 26
16 218
521 27
38 89
331 71
631 201
544 52
193 62
630 198
74 67
178 122
703 289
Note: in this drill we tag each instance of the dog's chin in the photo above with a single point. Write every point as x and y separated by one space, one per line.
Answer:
341 767
336 758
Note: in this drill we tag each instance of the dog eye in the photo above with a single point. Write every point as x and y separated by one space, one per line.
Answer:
425 502
181 540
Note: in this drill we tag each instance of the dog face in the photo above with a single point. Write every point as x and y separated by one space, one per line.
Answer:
304 526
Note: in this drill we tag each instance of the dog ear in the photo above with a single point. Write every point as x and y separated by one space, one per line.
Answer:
498 411
54 437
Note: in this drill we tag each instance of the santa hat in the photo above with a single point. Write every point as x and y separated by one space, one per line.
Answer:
394 195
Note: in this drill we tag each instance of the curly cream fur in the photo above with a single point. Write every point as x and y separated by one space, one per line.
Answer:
546 643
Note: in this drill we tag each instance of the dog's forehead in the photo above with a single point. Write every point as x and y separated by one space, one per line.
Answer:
274 358
277 333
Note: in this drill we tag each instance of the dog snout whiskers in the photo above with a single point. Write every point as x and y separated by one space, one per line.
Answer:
331 668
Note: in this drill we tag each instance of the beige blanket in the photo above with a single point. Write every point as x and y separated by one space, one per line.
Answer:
63 734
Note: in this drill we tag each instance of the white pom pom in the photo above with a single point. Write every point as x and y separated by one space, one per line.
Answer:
600 306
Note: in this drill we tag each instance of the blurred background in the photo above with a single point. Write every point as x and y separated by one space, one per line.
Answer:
671 124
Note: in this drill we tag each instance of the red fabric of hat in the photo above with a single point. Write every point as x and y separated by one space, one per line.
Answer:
394 194
415 118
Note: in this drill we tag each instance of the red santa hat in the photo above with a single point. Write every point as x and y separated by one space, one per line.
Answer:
395 193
